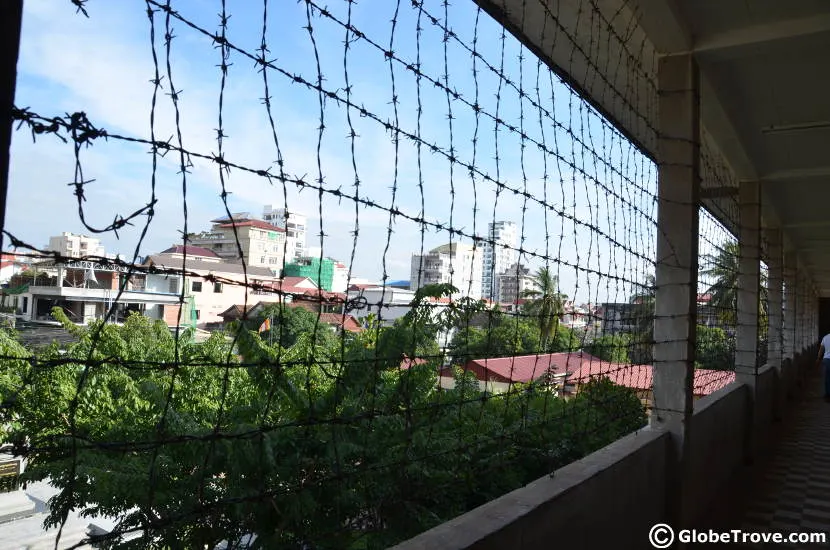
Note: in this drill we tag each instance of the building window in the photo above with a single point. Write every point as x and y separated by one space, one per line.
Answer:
197 314
196 286
174 286
217 288
25 303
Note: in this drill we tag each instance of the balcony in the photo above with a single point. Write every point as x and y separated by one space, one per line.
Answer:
681 151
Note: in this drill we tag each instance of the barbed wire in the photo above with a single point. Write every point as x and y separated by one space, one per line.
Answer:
279 427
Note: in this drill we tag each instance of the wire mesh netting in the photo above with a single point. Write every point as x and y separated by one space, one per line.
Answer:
265 381
720 267
717 307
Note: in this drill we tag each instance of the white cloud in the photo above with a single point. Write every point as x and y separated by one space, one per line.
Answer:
103 65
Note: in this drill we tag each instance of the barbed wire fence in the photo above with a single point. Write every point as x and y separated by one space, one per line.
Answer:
428 126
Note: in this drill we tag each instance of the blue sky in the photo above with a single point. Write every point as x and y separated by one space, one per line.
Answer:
103 66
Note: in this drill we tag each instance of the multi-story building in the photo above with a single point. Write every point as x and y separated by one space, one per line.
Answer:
263 244
206 300
329 274
621 317
12 264
458 264
87 290
499 253
75 246
513 282
294 225
340 278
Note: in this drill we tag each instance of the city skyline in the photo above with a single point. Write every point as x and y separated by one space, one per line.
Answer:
569 213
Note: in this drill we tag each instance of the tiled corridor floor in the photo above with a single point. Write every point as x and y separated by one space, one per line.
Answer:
788 491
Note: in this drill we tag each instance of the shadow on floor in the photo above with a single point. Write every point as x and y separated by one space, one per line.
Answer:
787 489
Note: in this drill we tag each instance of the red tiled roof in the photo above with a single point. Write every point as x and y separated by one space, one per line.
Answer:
258 224
640 377
294 281
526 368
310 294
709 381
190 251
408 362
349 323
291 290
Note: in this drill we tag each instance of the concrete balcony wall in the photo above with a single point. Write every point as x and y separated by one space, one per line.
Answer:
767 387
611 498
720 421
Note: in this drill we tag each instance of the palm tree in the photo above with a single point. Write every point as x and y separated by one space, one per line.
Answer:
547 304
724 269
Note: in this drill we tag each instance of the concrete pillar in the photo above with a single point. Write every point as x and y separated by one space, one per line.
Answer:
790 292
678 193
749 279
798 307
775 316
775 280
800 303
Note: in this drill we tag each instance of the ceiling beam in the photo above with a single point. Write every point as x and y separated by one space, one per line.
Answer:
661 21
797 174
807 225
766 32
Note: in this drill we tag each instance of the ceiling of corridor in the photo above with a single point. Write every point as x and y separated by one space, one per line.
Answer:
765 90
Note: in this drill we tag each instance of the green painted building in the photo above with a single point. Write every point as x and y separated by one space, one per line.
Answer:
322 275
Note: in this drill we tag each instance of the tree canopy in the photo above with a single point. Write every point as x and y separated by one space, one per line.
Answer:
298 442
611 347
546 304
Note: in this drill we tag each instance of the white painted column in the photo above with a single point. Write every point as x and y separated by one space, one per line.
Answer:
790 299
800 304
678 192
775 280
749 278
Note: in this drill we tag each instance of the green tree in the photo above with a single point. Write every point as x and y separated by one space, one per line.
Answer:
611 347
303 446
724 268
641 342
508 336
715 349
288 323
546 304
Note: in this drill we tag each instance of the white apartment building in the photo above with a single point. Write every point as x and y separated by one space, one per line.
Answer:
340 277
294 224
499 253
458 264
75 246
206 299
263 244
86 290
513 282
